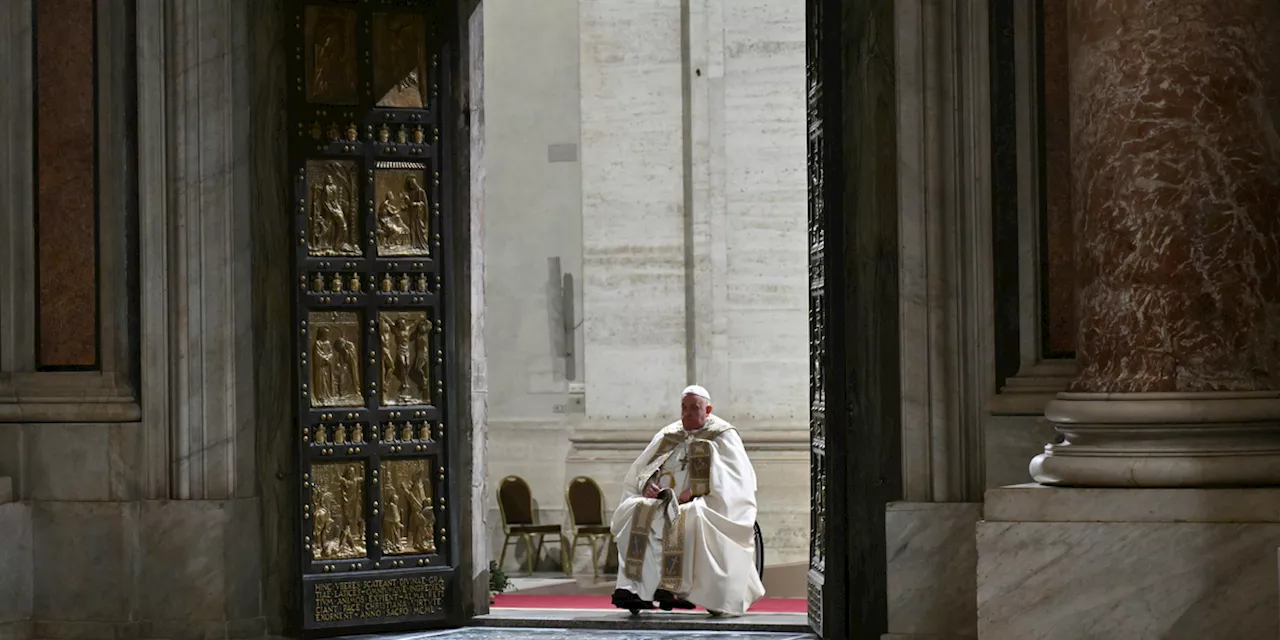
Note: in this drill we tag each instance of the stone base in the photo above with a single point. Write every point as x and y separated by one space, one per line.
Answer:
180 569
15 571
931 566
1064 564
20 630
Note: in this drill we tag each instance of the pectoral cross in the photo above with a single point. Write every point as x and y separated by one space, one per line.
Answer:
684 459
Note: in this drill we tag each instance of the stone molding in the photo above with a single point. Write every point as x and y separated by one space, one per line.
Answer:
1162 440
1033 388
1038 379
1039 503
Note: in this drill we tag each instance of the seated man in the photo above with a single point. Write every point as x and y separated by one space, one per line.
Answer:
686 522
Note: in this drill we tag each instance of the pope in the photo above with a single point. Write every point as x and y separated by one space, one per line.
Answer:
686 522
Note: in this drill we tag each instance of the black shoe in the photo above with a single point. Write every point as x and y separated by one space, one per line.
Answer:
624 599
668 601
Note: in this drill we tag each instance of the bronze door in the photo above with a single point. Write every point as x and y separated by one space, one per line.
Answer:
370 158
826 282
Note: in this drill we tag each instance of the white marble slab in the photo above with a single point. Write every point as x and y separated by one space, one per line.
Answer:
932 561
1137 581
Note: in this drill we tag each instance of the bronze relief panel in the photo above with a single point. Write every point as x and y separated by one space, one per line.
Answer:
334 354
408 515
403 209
337 511
331 56
406 357
400 60
333 221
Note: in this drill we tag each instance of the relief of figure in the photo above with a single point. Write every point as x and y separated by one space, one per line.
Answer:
348 367
423 520
416 201
331 73
333 220
388 356
352 534
406 358
422 358
335 369
392 231
404 215
392 525
323 377
337 511
321 526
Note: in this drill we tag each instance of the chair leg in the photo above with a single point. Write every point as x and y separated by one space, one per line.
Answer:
528 546
542 539
573 554
565 562
502 557
595 558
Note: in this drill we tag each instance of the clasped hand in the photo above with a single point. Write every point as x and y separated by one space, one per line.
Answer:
652 490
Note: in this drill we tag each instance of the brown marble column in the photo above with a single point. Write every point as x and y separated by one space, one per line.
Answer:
1175 111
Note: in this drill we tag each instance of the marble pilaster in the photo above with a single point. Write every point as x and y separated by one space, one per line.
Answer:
195 216
945 354
1176 171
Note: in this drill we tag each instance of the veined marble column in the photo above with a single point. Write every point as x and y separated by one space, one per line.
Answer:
1176 170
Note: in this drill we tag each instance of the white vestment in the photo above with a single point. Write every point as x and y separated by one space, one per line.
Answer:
702 550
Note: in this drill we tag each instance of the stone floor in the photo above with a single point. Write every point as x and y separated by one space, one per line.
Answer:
587 634
611 620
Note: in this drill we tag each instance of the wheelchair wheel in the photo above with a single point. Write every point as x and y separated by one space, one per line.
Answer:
759 540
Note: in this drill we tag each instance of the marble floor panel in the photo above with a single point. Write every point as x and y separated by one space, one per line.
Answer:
585 634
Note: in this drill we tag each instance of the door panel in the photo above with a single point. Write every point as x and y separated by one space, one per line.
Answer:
374 433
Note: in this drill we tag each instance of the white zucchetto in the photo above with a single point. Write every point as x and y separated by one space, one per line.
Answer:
695 390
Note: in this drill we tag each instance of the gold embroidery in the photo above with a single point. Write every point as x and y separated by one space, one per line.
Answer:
638 541
673 554
669 443
700 467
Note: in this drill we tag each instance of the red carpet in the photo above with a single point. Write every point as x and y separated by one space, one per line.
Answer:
517 601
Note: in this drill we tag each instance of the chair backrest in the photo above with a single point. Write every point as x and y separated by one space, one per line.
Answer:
586 502
515 501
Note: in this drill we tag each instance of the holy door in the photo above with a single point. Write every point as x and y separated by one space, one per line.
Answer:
369 157
826 299
817 321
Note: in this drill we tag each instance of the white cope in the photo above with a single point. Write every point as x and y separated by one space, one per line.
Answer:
702 550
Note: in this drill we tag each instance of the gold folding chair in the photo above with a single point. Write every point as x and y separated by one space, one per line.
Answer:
586 519
515 503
